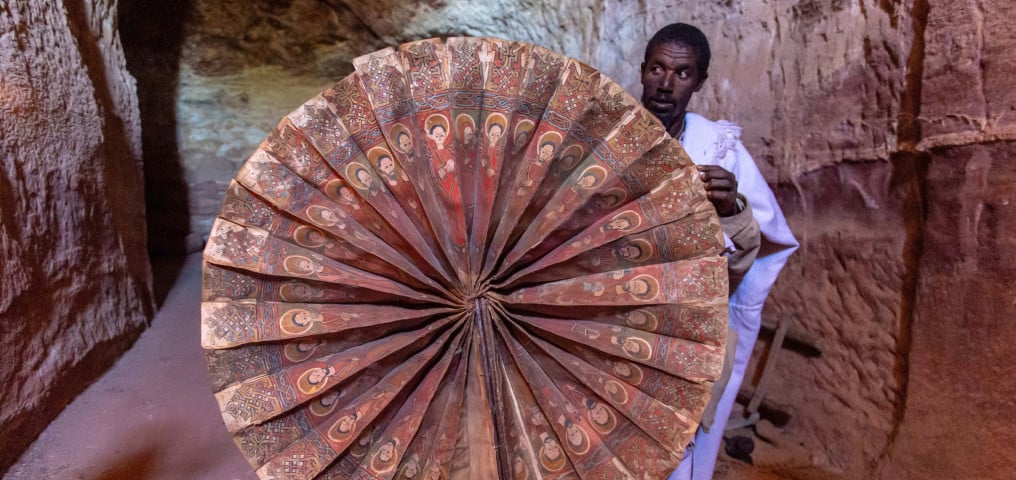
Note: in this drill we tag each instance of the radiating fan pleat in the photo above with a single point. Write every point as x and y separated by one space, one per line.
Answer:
471 258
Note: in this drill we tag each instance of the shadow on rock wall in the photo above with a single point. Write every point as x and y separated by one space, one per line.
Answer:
152 34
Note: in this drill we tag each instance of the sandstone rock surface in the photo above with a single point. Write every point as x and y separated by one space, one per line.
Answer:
75 282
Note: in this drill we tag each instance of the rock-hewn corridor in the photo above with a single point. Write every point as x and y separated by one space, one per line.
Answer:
886 128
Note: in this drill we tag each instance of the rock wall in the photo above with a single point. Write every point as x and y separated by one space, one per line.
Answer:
75 282
961 392
883 126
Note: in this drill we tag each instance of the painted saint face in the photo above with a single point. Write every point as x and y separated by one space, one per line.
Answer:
619 224
347 194
303 318
386 164
518 465
329 216
639 319
551 449
347 423
304 265
494 133
631 346
405 142
468 135
599 414
630 252
306 345
520 139
318 375
574 435
412 470
587 181
386 452
606 201
622 369
638 286
438 134
546 152
364 178
329 399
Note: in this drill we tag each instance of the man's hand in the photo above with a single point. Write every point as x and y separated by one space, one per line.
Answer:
721 188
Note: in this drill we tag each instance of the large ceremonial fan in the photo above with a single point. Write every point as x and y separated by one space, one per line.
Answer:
469 259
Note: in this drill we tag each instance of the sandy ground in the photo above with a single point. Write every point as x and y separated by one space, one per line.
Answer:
152 416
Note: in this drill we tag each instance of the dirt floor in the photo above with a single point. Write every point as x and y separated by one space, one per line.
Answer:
152 416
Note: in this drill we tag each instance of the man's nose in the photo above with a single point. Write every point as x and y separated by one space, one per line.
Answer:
668 82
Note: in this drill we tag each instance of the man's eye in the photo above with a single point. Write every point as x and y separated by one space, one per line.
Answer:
683 74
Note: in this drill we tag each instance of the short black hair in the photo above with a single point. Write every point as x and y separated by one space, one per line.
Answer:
684 34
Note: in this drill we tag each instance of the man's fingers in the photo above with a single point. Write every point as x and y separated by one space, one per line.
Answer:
721 195
713 172
721 184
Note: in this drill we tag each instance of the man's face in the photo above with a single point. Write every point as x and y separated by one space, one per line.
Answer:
669 78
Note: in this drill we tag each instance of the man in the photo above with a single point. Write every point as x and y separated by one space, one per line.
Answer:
676 66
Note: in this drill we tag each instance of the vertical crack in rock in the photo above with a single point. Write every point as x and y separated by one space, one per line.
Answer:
910 168
987 122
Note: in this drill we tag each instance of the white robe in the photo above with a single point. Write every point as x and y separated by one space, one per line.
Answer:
719 143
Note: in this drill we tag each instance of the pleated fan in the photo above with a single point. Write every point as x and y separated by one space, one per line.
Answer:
471 258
